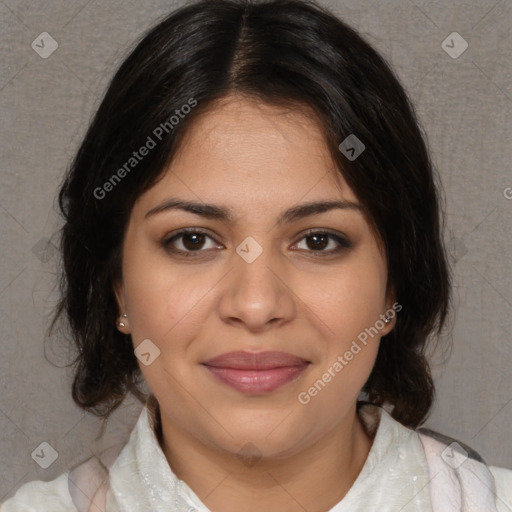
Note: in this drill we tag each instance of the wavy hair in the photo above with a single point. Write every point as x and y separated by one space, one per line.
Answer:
282 52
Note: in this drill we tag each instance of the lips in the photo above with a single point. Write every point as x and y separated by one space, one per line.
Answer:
241 360
256 372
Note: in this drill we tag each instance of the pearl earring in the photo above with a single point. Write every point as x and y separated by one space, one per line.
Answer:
121 323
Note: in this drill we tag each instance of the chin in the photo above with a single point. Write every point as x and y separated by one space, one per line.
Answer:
264 440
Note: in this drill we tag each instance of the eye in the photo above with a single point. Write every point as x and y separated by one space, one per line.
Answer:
321 239
192 240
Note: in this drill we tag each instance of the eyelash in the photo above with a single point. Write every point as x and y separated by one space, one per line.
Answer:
343 242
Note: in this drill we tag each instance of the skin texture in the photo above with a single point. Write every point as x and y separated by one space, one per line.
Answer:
256 160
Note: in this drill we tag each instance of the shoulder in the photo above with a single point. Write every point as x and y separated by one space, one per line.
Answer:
503 480
81 489
463 471
41 496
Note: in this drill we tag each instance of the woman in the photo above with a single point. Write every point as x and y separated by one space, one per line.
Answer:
252 230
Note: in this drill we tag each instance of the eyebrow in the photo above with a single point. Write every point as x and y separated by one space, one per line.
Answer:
211 211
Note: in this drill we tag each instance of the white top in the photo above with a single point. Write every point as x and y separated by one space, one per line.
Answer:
394 477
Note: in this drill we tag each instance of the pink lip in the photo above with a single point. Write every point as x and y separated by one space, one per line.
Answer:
256 372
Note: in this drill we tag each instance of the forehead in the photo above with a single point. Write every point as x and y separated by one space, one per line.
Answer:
236 115
277 150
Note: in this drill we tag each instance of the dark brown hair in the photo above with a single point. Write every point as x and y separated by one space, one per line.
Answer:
282 52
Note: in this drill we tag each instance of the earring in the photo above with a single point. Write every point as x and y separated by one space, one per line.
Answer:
121 323
387 319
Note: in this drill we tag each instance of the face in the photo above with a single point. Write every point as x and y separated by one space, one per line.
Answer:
251 278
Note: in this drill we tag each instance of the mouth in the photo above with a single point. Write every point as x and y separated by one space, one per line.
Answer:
256 372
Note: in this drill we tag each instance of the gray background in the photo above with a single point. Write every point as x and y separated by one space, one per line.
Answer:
465 107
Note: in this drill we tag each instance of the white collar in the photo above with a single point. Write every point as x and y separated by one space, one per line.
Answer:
141 478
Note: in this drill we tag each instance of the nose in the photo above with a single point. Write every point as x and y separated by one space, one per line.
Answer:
257 295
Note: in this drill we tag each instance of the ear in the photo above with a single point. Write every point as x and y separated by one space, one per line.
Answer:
393 307
119 293
391 298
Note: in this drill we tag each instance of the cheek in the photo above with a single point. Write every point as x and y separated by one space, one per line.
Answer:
157 296
351 299
161 304
167 304
350 307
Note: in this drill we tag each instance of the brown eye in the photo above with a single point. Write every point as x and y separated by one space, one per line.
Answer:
187 241
318 241
193 241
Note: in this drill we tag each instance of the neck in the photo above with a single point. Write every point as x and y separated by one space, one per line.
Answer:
313 479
